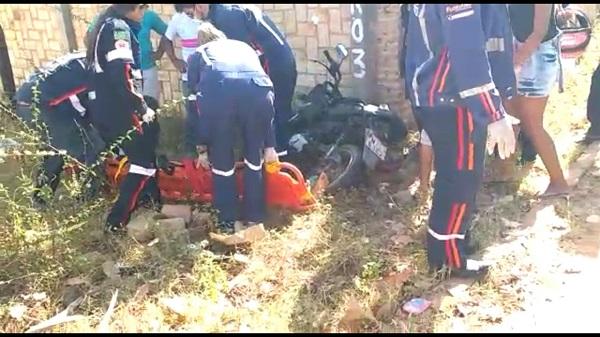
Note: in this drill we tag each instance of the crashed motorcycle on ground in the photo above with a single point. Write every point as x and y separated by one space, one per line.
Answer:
343 138
334 136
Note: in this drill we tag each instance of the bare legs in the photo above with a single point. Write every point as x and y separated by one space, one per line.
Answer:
530 110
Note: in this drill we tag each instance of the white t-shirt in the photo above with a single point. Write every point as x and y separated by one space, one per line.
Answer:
186 28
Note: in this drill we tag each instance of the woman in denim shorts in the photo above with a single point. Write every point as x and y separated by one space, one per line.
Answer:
538 68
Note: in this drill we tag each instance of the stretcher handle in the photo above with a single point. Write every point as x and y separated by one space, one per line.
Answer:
296 174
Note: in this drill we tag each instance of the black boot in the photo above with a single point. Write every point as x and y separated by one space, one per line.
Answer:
227 227
150 196
592 135
133 188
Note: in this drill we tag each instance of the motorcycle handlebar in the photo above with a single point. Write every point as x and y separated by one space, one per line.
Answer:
328 56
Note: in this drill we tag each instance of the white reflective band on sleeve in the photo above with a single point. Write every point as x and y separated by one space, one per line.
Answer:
494 44
96 62
224 173
424 35
81 63
92 95
119 53
282 153
441 237
477 90
262 21
137 74
252 166
135 169
460 15
77 104
205 56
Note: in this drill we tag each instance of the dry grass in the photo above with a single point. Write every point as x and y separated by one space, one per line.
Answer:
325 271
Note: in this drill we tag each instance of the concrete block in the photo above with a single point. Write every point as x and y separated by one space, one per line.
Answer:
178 211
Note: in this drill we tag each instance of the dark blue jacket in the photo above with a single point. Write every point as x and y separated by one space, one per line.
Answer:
249 24
460 54
62 80
117 78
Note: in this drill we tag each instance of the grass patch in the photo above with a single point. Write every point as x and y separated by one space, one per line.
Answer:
331 270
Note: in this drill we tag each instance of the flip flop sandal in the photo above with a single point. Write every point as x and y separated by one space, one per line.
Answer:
546 196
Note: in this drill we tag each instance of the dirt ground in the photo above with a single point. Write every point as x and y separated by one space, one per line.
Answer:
547 273
348 266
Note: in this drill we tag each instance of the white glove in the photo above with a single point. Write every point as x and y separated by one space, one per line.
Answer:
271 155
501 133
202 160
149 115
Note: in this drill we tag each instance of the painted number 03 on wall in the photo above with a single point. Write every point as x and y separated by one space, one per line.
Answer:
358 36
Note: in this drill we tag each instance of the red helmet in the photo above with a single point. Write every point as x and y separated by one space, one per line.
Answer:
576 33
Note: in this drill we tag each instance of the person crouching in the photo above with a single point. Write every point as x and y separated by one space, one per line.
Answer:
232 92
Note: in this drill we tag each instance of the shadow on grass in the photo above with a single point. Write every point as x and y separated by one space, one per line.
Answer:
360 250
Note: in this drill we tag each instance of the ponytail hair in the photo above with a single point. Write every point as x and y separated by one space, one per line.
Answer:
207 33
116 11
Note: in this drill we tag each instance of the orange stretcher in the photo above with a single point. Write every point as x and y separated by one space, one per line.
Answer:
285 188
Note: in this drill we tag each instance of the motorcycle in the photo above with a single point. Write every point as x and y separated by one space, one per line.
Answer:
343 137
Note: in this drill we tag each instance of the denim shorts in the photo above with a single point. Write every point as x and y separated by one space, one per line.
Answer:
541 71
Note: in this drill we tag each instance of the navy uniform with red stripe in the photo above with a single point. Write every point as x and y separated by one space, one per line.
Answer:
249 24
117 107
458 64
233 94
62 101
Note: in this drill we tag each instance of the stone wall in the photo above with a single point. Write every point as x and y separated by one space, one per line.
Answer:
29 47
35 34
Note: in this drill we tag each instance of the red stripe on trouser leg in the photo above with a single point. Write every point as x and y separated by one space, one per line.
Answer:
448 230
457 223
436 76
460 138
471 147
134 198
